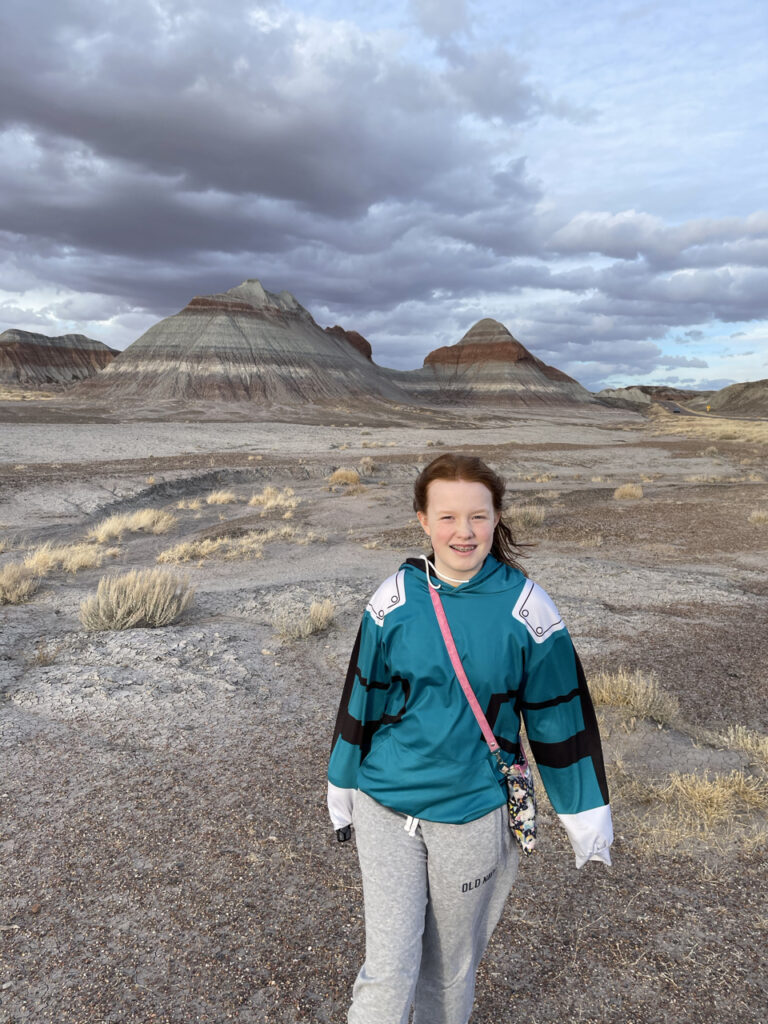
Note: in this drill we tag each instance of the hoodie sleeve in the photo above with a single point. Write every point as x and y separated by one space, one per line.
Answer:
562 728
363 705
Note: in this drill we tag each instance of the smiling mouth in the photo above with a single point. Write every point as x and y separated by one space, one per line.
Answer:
463 549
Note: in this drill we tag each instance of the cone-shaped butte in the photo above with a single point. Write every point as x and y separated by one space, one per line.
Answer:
35 360
489 365
244 344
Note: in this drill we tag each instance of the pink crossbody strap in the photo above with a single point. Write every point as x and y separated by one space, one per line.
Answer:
461 675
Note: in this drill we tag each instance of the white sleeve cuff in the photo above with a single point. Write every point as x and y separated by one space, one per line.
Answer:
590 833
341 803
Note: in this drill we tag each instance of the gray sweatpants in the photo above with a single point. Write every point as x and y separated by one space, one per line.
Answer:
432 900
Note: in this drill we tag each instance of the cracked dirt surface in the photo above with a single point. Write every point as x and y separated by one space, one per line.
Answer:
165 853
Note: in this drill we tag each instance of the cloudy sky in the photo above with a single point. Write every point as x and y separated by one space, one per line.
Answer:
593 174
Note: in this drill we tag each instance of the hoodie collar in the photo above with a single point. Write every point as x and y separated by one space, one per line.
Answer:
491 571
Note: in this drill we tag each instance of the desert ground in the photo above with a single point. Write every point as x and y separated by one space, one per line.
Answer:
165 853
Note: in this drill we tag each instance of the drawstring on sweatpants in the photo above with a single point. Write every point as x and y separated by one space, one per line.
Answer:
411 824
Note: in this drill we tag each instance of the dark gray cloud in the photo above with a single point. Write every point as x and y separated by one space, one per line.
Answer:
165 148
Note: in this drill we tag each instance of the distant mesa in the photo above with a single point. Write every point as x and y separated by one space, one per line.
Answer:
489 365
643 396
245 344
35 360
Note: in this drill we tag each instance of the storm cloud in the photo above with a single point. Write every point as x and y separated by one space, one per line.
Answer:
156 150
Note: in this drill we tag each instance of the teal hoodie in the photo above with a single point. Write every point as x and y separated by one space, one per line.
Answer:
405 734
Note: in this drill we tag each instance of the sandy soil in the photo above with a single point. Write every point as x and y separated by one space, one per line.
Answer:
164 849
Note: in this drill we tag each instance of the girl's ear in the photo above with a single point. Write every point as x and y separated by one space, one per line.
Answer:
422 517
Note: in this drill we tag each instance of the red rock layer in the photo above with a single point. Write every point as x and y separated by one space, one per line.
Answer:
490 342
355 340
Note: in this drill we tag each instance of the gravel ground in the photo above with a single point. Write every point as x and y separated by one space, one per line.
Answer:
165 853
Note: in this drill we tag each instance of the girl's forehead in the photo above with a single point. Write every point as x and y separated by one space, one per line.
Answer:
458 492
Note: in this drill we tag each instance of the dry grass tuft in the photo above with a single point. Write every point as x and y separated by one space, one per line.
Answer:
221 498
297 624
246 545
70 557
250 545
689 808
3 545
628 492
759 516
45 653
344 477
145 520
524 517
591 540
272 498
193 504
641 695
137 599
738 737
18 583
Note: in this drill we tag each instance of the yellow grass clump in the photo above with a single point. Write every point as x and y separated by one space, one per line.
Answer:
250 545
18 583
298 624
144 520
738 737
759 516
688 808
524 517
69 557
246 545
628 491
344 477
137 599
193 504
641 695
273 498
221 498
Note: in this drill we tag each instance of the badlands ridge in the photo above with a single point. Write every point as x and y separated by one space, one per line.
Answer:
251 345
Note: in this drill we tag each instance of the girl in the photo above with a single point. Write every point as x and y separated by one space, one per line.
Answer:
409 766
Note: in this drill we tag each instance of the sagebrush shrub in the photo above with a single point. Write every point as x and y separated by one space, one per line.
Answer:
140 598
17 583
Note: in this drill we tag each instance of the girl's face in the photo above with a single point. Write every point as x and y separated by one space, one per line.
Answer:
459 520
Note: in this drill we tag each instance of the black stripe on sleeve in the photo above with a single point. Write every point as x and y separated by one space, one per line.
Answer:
539 705
585 743
593 733
562 754
346 693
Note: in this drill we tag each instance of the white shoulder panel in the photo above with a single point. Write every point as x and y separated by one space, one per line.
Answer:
390 595
537 611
